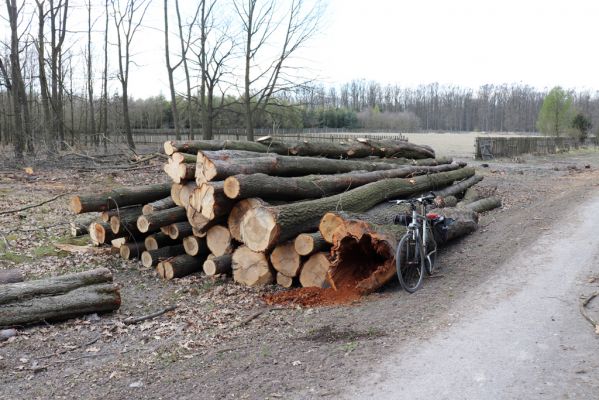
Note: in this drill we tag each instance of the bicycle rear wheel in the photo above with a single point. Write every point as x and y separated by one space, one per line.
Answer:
409 261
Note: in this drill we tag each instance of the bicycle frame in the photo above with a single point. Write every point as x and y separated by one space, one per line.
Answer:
415 227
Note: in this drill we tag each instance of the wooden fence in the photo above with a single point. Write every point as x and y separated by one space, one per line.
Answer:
498 147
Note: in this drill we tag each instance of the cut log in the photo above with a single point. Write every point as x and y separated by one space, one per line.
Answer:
79 229
58 298
315 271
214 202
315 186
264 227
420 162
185 193
218 239
151 258
285 259
195 246
284 280
100 233
457 188
179 171
122 197
120 212
482 205
155 221
129 251
11 276
183 158
238 211
157 240
470 195
160 269
183 265
158 205
194 146
251 268
179 230
218 265
308 243
217 170
125 223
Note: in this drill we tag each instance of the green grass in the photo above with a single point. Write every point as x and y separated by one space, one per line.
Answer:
13 257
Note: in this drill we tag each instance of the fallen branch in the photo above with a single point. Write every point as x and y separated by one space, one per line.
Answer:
33 205
584 313
131 321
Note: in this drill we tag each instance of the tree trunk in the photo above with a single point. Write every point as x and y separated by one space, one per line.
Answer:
482 205
315 186
183 265
315 271
151 258
218 265
58 298
193 146
154 221
216 170
218 239
459 187
308 243
11 276
251 268
121 212
195 246
158 205
211 200
264 227
129 251
158 240
122 197
100 233
285 259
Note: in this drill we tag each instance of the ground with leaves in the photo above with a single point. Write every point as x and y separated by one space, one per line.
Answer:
222 341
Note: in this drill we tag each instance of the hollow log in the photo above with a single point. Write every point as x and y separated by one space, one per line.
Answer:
11 276
58 298
129 251
315 186
264 227
179 230
315 271
251 268
216 170
125 196
218 239
151 258
182 265
284 280
194 246
218 265
237 213
154 221
308 243
158 205
157 240
286 260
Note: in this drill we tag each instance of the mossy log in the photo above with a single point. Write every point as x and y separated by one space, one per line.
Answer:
263 227
58 298
315 186
121 197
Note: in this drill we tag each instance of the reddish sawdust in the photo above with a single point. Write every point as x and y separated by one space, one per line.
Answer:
355 261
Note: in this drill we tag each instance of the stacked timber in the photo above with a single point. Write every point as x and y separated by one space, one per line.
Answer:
295 213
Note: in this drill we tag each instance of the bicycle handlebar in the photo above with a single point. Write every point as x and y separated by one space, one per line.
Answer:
426 199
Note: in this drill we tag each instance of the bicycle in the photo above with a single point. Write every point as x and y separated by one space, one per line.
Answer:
417 249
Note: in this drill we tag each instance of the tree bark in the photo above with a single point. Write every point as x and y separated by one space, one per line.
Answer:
251 268
315 271
121 212
183 265
179 230
154 221
11 276
100 233
158 205
126 196
215 170
315 186
158 240
308 243
151 258
264 227
218 265
285 259
459 187
193 146
58 298
218 239
194 246
129 251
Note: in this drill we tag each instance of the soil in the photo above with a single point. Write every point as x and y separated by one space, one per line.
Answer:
222 340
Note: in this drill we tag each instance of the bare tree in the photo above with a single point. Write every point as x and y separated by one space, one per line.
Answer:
58 28
259 25
90 77
105 80
127 21
43 80
171 69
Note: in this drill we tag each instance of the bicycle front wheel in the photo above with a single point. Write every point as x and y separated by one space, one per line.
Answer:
409 261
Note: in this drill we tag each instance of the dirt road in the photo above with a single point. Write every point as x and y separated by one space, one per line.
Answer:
522 338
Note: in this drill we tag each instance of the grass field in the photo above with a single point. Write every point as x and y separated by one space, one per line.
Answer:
449 144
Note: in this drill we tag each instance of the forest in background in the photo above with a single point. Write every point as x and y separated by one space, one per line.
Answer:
66 66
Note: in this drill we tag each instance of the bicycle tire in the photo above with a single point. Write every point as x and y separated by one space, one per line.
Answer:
430 259
409 262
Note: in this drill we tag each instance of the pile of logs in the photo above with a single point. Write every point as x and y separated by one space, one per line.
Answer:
309 214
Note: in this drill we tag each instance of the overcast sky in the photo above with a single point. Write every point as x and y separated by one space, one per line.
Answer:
462 42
